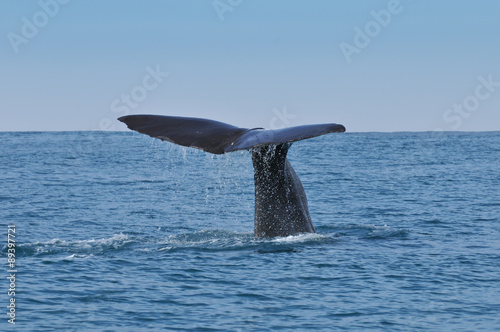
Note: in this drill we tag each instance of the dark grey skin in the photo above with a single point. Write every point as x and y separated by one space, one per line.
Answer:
280 200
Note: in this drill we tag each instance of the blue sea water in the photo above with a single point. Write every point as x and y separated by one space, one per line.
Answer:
120 232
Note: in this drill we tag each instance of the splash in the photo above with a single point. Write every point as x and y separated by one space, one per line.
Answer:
301 238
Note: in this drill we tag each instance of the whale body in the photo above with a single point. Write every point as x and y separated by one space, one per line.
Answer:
281 207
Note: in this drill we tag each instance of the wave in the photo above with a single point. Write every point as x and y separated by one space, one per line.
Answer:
364 231
205 240
76 248
225 240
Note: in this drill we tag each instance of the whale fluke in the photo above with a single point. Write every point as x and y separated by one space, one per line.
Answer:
218 137
281 207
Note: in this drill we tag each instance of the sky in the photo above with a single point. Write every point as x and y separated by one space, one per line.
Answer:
389 65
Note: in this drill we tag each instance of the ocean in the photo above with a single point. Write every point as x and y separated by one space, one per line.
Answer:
116 231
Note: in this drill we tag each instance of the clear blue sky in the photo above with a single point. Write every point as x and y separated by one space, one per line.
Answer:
371 65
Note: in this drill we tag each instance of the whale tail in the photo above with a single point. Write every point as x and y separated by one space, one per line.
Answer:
218 137
281 207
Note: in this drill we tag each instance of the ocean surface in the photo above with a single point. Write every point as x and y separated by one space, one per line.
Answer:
121 232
